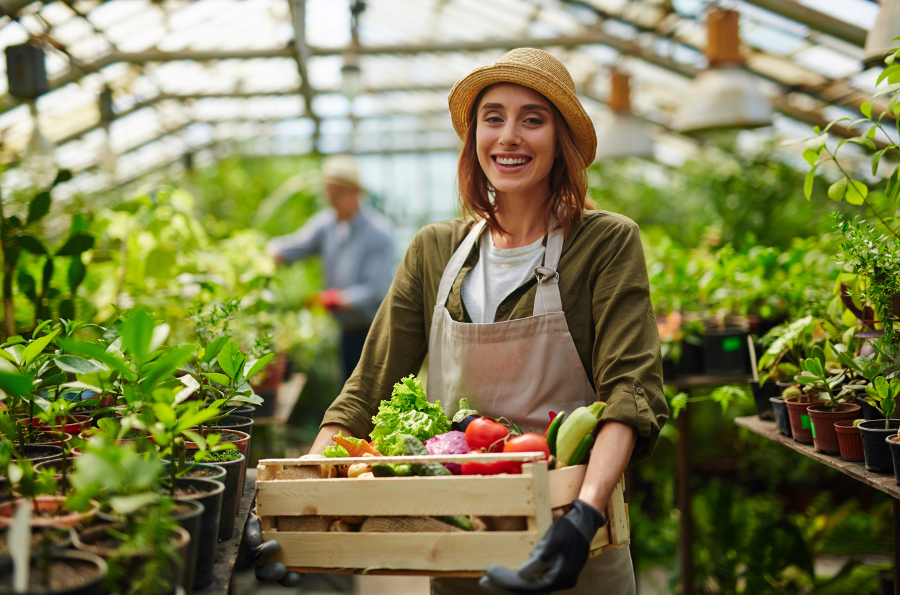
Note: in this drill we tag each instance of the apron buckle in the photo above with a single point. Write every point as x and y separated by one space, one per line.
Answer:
543 273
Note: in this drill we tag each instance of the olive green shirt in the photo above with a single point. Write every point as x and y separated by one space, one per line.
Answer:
605 296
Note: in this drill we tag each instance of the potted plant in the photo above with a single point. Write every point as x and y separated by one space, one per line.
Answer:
850 441
881 394
818 378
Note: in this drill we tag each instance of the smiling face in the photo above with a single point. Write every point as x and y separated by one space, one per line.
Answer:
516 139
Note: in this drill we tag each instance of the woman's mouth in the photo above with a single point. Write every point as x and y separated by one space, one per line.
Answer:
510 164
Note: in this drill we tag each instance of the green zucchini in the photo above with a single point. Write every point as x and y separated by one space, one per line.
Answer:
581 453
383 470
577 425
413 447
553 430
462 522
403 470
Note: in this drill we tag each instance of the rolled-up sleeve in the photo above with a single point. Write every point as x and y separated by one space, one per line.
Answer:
627 365
395 347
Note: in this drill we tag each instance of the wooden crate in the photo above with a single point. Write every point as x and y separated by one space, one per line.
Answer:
532 495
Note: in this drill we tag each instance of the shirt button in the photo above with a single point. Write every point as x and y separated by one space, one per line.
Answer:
639 390
503 308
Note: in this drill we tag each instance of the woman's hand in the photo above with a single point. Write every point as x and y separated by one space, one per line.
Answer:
558 558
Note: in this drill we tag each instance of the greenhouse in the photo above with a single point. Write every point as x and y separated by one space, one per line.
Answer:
448 296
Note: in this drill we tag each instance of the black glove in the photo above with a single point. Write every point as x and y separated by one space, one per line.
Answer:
259 554
556 560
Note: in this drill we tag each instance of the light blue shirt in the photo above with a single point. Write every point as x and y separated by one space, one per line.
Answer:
358 256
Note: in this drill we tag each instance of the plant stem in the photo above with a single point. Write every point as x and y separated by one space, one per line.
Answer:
9 267
865 202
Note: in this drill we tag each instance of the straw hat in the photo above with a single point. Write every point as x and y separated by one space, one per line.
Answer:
535 69
341 170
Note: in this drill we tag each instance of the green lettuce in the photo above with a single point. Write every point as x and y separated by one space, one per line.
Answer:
408 412
335 452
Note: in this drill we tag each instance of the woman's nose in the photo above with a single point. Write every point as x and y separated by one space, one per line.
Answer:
509 135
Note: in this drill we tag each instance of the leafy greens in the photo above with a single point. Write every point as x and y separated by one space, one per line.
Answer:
408 412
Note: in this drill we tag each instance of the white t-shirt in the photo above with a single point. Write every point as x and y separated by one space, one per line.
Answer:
498 272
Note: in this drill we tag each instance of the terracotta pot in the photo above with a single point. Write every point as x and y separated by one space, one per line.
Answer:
42 438
801 424
88 571
72 424
47 504
823 419
849 441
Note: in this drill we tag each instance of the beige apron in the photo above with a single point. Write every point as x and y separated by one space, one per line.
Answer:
520 369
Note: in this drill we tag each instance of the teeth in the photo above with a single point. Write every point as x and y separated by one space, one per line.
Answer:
512 160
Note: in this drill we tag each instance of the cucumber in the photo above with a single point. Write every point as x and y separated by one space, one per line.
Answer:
383 470
403 470
413 447
581 453
462 522
579 424
553 430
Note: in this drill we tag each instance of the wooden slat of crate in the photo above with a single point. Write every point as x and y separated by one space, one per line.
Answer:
441 552
510 495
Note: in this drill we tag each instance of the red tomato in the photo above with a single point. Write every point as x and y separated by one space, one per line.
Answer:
526 443
486 434
473 468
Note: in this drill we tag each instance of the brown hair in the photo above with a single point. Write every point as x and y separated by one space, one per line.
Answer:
568 177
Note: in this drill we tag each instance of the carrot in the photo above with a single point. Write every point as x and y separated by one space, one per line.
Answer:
356 450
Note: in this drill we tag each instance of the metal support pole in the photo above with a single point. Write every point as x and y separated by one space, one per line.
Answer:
686 538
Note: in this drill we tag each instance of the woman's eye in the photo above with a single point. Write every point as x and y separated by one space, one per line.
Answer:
493 119
534 121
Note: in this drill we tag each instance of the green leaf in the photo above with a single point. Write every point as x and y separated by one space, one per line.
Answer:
213 349
837 190
259 364
79 365
98 353
76 274
832 123
137 333
36 347
230 358
808 181
16 383
886 90
79 224
220 378
31 244
38 207
196 438
76 245
876 158
863 140
165 414
126 505
62 176
856 192
26 283
67 309
811 156
866 108
167 364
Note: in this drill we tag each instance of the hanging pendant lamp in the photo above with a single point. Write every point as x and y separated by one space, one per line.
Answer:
725 95
879 39
625 135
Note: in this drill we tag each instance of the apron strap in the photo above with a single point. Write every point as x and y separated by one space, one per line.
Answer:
547 298
454 266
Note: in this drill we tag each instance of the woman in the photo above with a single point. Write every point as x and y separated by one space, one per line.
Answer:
529 304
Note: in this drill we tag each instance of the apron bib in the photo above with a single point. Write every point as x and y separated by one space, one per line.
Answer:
520 369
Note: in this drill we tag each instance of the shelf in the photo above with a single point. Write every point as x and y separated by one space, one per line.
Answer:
287 395
880 481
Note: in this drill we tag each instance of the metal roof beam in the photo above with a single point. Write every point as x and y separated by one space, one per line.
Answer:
793 10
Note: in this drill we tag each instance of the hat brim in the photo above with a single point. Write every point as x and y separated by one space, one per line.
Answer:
464 92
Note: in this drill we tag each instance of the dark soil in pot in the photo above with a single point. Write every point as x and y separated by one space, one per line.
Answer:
761 395
876 449
209 494
70 573
47 511
849 441
37 453
56 539
780 412
823 419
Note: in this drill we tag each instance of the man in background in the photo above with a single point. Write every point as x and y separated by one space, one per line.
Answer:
357 251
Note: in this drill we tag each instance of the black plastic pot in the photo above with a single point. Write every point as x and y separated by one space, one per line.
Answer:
780 413
245 411
93 567
231 498
235 422
189 515
725 351
875 448
210 496
762 394
691 362
669 369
